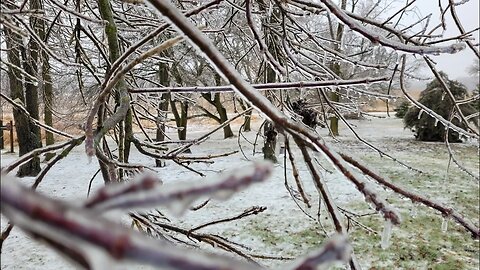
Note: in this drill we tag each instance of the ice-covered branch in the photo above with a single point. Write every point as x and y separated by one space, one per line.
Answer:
179 197
82 230
337 249
22 109
39 151
375 38
263 47
268 86
112 191
78 233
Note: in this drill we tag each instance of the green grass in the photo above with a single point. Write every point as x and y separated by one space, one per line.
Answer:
300 241
418 243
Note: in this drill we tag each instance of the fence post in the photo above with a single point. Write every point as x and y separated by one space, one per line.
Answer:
1 135
11 137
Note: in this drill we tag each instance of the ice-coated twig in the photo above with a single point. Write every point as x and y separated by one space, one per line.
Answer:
459 25
153 34
37 152
254 210
447 90
183 148
178 197
296 175
452 154
336 249
75 231
33 120
387 211
210 239
325 195
263 47
83 229
361 139
268 86
114 190
375 38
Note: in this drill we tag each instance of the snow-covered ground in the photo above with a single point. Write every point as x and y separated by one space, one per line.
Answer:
277 231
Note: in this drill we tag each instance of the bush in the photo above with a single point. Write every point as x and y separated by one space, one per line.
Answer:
402 109
433 97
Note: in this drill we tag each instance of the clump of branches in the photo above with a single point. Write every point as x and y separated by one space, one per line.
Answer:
81 233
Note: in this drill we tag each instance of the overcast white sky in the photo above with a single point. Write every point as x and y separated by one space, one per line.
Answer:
454 65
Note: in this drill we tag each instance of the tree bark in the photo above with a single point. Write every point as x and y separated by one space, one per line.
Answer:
162 108
221 110
335 67
181 118
28 130
248 117
121 87
48 102
47 85
269 131
22 127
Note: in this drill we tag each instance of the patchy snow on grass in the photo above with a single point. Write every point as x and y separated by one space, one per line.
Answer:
283 229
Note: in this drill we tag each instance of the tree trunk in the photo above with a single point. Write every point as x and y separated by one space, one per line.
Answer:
25 136
222 112
162 108
182 132
248 117
47 86
334 97
48 102
269 131
33 139
335 67
121 87
270 142
181 118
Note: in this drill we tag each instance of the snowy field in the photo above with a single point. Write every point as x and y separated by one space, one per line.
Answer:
283 229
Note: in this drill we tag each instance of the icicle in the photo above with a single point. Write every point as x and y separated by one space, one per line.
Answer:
386 234
420 114
444 224
443 96
436 122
